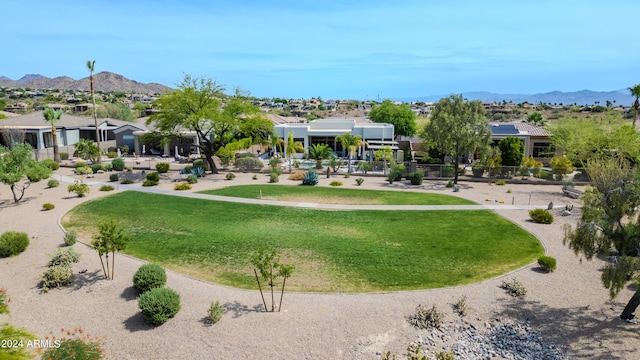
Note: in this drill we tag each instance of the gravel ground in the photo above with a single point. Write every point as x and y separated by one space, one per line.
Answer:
567 310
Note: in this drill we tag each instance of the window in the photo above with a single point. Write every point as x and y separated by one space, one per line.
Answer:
543 150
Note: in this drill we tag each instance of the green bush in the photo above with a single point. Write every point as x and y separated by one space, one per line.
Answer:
182 186
310 178
501 182
336 183
395 173
51 164
447 171
359 181
64 156
53 183
198 163
149 276
477 171
215 312
75 348
162 167
9 332
274 177
64 257
79 164
547 262
514 287
541 216
230 176
96 167
81 189
449 184
415 177
347 175
48 206
57 276
153 176
192 179
159 305
425 318
70 238
106 188
13 243
118 164
114 177
149 183
112 154
84 170
107 166
254 177
249 164
126 181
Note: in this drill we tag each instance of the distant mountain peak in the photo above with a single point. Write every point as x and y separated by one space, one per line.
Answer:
30 77
104 81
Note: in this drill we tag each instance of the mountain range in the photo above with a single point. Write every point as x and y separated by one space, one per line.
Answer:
103 81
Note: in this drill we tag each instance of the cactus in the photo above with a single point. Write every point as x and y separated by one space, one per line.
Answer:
310 178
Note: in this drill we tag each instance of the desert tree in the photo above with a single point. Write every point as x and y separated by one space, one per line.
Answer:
18 169
110 238
610 226
267 268
292 148
536 118
91 65
635 91
351 143
53 116
400 116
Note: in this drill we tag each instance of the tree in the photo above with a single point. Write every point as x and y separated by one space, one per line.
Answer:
319 152
91 67
401 117
53 116
384 154
351 143
609 225
292 148
511 151
276 142
110 238
458 127
118 111
267 268
635 91
16 164
87 149
199 105
537 119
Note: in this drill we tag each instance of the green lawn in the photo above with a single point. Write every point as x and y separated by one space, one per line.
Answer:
332 250
336 195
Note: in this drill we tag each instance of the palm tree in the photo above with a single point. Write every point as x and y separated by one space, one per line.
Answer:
275 143
351 143
635 91
385 154
319 152
292 148
53 116
91 67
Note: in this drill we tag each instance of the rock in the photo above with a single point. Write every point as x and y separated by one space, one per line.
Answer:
565 213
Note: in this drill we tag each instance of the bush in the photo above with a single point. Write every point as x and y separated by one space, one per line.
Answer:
126 181
106 188
548 263
75 348
197 171
81 189
395 173
274 177
310 178
64 257
70 238
64 156
57 276
79 164
162 167
159 305
359 181
297 175
336 183
53 183
112 154
461 306
198 163
84 170
230 176
129 168
192 179
107 167
477 171
425 318
514 287
501 182
51 164
153 176
347 175
415 177
113 177
96 167
186 170
449 184
541 216
149 183
149 276
215 312
182 186
254 177
118 164
249 164
13 243
48 206
447 171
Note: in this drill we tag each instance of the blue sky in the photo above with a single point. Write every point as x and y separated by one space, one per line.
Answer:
334 49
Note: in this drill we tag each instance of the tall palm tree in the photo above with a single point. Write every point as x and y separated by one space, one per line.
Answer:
91 66
292 148
386 155
53 116
635 91
351 143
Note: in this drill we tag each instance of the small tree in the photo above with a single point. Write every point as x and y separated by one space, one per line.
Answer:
87 149
110 239
561 165
292 148
386 155
267 268
16 164
52 116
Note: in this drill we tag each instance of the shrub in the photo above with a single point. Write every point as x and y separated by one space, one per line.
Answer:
13 243
70 237
501 182
249 164
126 181
310 178
197 171
230 176
215 312
51 164
64 156
81 189
415 177
336 183
347 175
254 177
186 169
162 167
153 176
447 171
548 263
192 179
56 276
4 301
182 186
96 167
425 318
149 276
541 216
514 287
107 166
118 164
113 177
64 257
445 355
48 206
159 305
112 154
461 306
10 333
53 183
359 181
84 170
198 163
129 168
297 175
106 188
395 173
78 348
449 184
79 164
477 171
149 182
274 177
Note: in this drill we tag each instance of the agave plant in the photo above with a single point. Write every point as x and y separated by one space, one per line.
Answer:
310 178
197 171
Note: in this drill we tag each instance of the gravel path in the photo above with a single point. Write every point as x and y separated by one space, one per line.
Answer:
567 309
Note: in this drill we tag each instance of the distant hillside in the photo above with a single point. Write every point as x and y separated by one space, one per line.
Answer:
103 81
583 97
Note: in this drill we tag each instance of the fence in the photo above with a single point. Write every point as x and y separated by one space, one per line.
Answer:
47 153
